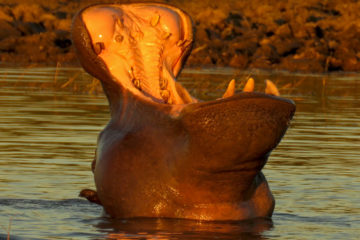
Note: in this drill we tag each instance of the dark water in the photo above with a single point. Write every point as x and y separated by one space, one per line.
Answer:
49 121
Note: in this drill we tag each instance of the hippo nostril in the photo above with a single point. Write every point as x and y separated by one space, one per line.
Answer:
98 47
134 80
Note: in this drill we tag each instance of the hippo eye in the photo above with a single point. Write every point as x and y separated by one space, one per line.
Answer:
119 38
98 47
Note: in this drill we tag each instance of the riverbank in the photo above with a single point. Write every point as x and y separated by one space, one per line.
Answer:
306 36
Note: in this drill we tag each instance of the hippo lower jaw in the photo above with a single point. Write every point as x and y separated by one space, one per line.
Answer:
164 153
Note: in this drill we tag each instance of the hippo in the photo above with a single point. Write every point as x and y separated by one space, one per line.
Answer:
164 153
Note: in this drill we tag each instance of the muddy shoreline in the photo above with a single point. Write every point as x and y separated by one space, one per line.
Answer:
311 36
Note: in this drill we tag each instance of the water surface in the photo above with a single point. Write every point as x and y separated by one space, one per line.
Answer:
49 123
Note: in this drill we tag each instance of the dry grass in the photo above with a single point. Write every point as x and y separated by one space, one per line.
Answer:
8 229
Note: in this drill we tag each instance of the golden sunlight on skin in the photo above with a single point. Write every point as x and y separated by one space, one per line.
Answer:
100 30
143 50
100 22
188 160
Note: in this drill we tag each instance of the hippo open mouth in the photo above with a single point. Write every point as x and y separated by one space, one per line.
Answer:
164 153
143 47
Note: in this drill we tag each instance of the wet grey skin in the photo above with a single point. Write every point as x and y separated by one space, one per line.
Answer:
163 152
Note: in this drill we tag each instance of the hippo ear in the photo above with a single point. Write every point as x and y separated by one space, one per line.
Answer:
230 132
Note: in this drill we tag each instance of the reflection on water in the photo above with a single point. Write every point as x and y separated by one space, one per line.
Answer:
183 229
49 123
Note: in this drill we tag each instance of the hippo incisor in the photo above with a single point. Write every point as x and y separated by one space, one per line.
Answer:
164 153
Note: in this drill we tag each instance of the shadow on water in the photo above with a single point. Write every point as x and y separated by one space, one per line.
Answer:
50 119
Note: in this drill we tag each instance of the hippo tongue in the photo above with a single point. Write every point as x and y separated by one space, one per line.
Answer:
143 46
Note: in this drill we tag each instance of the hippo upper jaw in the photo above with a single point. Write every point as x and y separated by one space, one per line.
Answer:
141 48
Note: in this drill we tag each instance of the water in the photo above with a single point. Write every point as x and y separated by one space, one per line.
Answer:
50 119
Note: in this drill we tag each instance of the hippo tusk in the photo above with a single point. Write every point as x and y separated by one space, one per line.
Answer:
230 91
271 88
249 85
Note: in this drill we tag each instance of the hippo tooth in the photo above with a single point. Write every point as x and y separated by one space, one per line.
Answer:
249 86
155 20
136 83
162 83
120 22
98 47
131 73
165 35
180 42
230 89
271 88
187 43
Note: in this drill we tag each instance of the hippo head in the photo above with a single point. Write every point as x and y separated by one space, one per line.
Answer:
164 153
